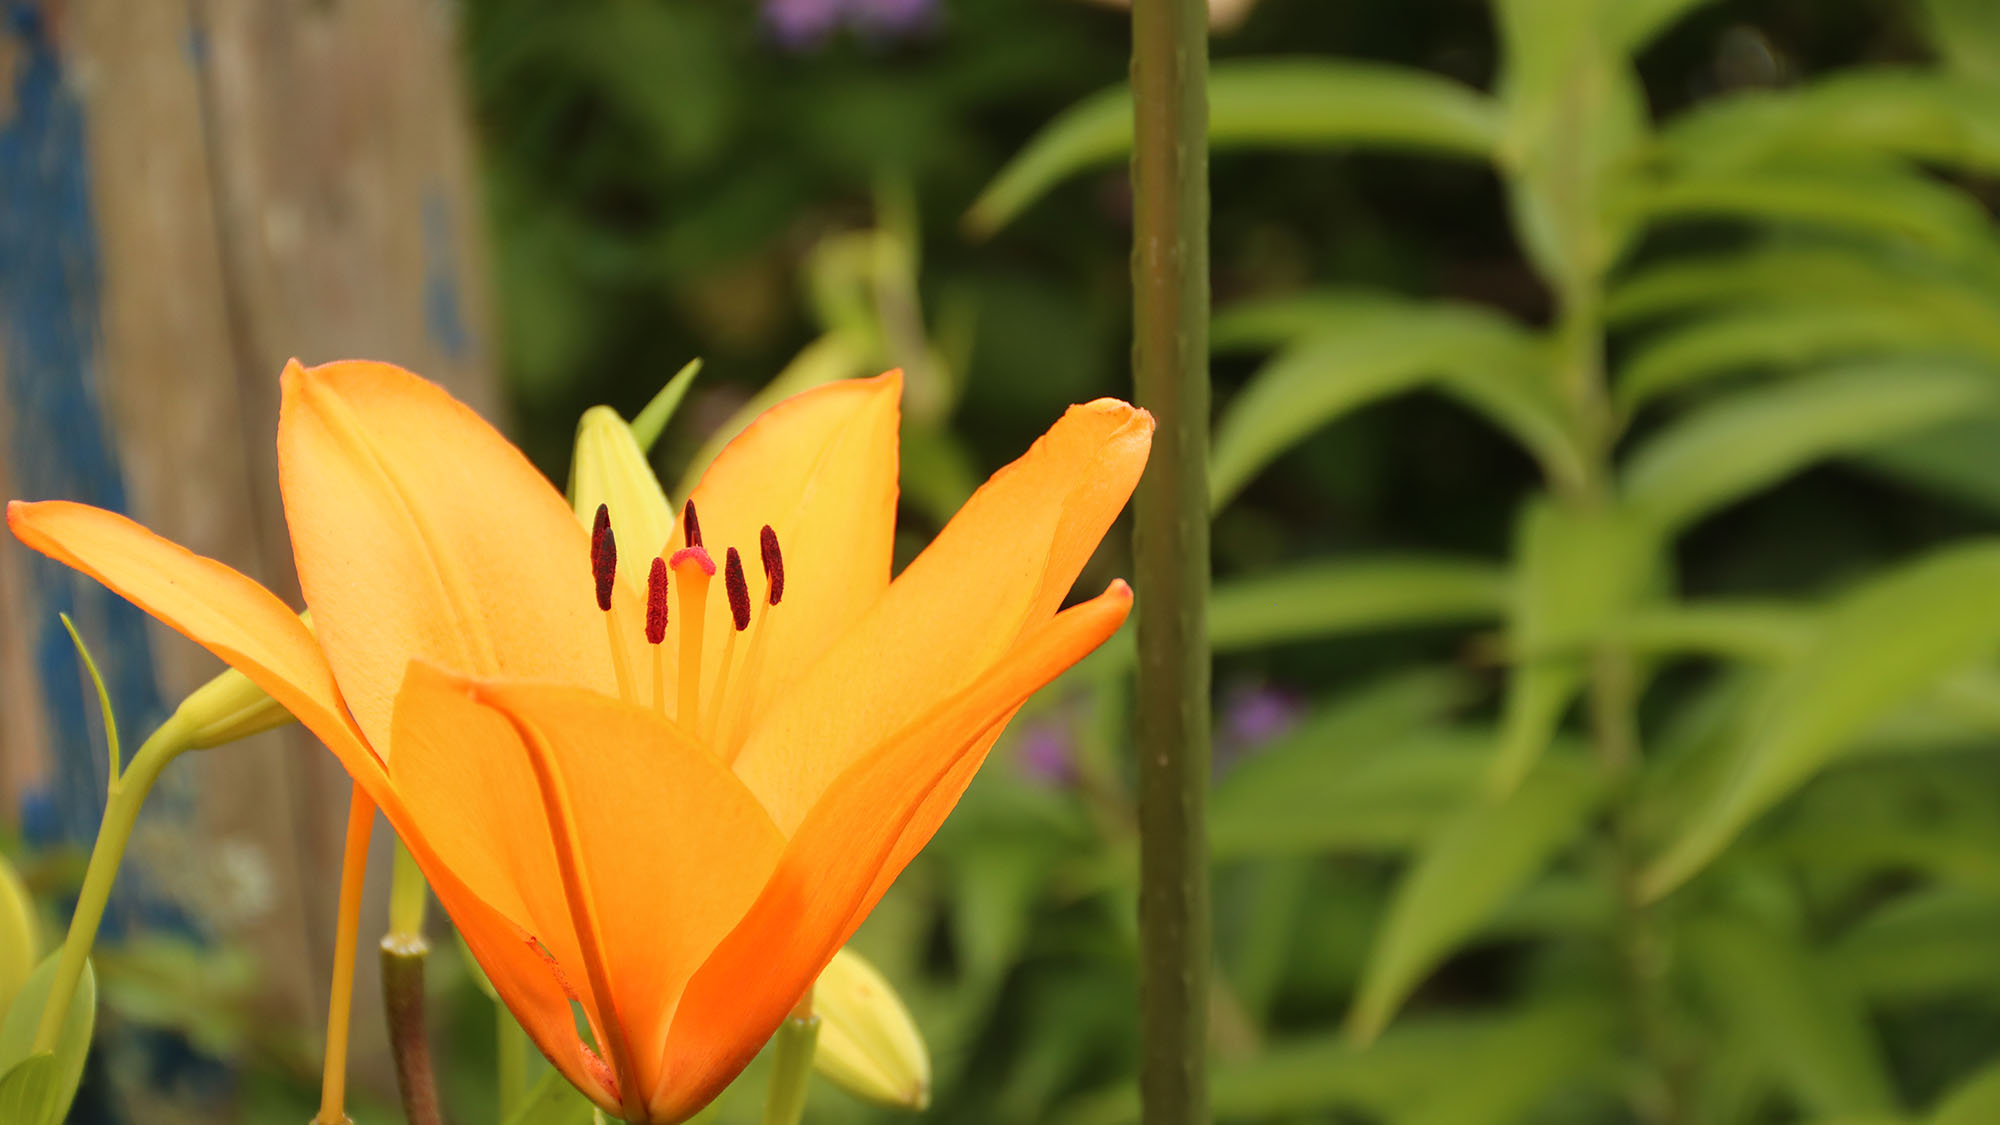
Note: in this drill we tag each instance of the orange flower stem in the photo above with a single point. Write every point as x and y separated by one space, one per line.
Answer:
121 812
627 691
346 936
694 607
1171 555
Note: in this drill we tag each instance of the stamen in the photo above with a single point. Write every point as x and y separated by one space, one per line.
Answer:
656 629
604 571
656 602
691 525
603 556
774 563
738 588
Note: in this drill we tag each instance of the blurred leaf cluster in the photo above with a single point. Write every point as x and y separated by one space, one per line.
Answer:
1605 479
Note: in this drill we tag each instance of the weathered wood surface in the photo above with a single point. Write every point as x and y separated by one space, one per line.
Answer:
192 191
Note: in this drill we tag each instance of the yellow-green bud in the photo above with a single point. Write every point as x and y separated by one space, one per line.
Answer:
609 468
20 934
868 1044
230 707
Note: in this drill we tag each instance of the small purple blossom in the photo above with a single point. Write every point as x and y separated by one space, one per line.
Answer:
1252 718
803 24
1045 750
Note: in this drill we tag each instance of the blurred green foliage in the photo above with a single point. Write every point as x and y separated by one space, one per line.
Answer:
1607 465
1606 474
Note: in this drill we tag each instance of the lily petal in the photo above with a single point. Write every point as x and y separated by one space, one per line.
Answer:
1001 566
820 468
876 815
421 533
214 605
678 847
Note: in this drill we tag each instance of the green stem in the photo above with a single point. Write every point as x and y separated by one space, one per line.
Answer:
121 812
404 953
1170 373
511 1066
791 1066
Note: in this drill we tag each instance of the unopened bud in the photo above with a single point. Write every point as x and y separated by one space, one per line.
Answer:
230 707
868 1044
608 468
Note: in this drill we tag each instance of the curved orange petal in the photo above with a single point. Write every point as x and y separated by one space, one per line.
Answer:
420 533
820 468
213 605
849 847
677 847
1002 565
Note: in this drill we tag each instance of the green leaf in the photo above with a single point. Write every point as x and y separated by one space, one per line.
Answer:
1792 272
1879 647
1967 34
1862 198
1464 873
1483 360
1814 1033
1330 599
1578 570
1954 460
1263 323
20 934
1314 794
1756 438
103 696
1545 1049
1575 118
1749 338
1976 1101
1636 23
1259 103
1929 944
43 1092
553 1101
652 420
1736 629
1921 115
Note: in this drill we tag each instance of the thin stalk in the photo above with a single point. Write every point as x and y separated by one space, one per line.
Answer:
1170 374
121 812
404 953
511 1068
1613 704
347 933
791 1065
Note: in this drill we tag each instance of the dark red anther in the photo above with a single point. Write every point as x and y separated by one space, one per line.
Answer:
691 525
603 556
738 587
656 601
774 563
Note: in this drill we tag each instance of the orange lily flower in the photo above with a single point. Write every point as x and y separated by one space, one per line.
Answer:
679 854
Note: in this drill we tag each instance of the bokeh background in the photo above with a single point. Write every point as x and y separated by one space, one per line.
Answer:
1583 755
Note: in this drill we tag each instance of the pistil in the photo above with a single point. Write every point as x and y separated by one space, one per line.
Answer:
695 568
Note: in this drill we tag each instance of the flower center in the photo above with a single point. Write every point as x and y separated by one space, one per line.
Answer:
690 570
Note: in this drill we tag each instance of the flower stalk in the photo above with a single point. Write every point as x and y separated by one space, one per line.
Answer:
121 811
404 954
1170 372
792 1065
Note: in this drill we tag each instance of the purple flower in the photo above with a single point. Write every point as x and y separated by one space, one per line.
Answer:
1252 718
804 24
1045 749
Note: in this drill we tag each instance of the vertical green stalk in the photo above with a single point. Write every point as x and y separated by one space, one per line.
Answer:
510 1071
791 1069
121 812
405 951
1613 702
1170 373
